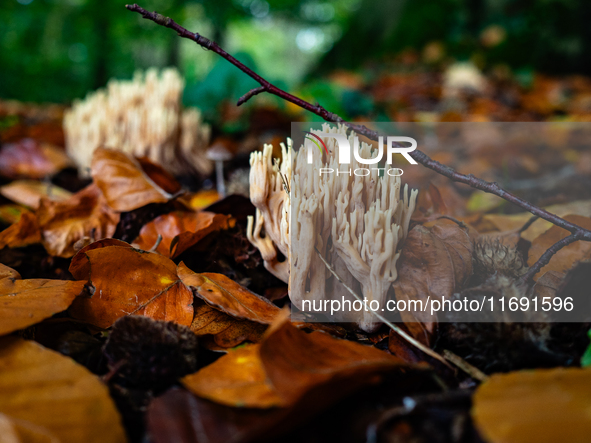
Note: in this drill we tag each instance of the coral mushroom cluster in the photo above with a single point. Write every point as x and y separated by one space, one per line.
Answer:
143 117
356 222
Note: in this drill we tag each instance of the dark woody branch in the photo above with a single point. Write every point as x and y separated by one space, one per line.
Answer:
577 232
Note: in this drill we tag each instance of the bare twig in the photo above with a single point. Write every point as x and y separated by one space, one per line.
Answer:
578 233
469 369
250 94
546 256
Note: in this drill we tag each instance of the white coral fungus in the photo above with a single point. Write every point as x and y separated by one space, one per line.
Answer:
356 222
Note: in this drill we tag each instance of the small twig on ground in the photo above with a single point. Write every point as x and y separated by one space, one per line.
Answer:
578 233
546 256
472 371
156 244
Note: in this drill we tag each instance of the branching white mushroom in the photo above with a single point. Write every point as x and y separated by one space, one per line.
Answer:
357 222
142 117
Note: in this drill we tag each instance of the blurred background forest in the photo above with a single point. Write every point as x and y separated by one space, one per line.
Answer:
58 50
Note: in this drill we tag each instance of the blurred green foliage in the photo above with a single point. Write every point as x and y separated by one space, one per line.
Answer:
58 50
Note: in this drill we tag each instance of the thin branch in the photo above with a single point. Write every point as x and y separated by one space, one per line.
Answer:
419 156
469 369
546 256
250 94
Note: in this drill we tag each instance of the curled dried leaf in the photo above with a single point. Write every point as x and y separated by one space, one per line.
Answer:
85 214
229 296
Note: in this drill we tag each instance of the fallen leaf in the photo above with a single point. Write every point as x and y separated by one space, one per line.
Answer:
22 233
29 192
287 366
564 259
21 431
124 183
80 265
179 416
228 296
128 281
237 379
544 405
190 227
53 392
26 302
434 264
28 159
225 331
11 213
85 214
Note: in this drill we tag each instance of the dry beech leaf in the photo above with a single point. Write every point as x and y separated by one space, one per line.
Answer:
228 296
544 405
127 281
225 331
53 392
28 159
564 259
191 226
287 366
26 302
85 214
20 431
124 183
236 379
434 264
29 192
22 233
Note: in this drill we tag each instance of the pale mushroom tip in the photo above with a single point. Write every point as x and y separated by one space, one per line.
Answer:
218 152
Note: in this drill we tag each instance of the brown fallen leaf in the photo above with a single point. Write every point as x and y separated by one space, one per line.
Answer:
26 302
53 392
129 281
288 366
29 159
22 233
85 214
237 379
228 296
543 405
564 259
127 186
29 192
189 226
21 431
223 330
434 264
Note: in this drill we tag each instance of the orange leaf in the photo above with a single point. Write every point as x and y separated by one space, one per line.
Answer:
85 214
22 233
236 379
564 259
29 159
227 295
126 185
287 366
130 281
53 392
26 302
29 192
189 226
542 406
225 331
